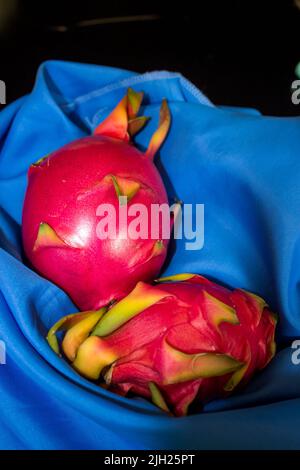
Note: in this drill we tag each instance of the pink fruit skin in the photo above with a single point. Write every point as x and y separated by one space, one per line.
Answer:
64 191
183 341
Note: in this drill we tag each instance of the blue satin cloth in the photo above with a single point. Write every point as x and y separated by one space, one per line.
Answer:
245 168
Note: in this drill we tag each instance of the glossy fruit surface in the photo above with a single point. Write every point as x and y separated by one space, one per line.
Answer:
68 192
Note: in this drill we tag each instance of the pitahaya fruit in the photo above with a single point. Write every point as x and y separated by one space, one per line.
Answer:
60 210
183 340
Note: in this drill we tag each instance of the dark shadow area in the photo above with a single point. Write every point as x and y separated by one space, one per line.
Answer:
238 53
10 235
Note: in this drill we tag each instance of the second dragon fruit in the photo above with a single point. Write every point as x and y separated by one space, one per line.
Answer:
183 341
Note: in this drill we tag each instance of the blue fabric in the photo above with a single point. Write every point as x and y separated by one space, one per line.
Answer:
245 168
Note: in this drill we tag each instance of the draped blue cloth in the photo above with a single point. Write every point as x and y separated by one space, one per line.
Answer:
245 168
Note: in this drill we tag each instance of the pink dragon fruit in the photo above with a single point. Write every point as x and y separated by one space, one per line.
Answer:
184 340
60 210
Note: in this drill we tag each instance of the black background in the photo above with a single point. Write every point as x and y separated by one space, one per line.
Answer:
240 53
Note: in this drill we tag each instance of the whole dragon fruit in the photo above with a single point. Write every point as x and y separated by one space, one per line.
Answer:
65 190
184 340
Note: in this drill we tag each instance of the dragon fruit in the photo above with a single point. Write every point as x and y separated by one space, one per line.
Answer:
184 340
65 189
